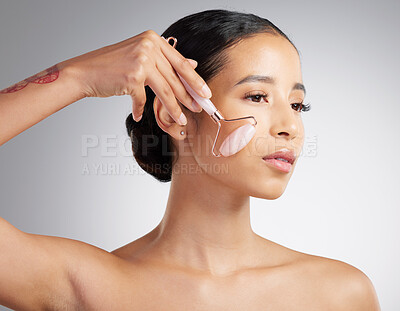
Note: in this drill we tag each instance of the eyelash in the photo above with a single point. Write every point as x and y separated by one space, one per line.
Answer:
304 107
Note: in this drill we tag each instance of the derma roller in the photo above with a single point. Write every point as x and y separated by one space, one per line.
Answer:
238 138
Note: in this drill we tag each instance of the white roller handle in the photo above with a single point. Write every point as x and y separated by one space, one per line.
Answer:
205 103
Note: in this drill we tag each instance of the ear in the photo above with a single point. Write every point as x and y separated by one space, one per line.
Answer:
165 121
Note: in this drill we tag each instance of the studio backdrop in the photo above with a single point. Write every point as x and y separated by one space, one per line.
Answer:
73 174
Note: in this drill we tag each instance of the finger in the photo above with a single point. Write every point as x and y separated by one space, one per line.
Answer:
183 67
192 62
176 85
167 97
139 100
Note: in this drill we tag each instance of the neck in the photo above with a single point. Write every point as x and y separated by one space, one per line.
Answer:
206 226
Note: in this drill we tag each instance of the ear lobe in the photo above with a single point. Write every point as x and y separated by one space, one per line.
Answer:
165 121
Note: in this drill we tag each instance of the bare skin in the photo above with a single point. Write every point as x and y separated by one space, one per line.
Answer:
123 68
204 254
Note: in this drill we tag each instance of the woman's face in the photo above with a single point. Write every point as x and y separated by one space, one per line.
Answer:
273 104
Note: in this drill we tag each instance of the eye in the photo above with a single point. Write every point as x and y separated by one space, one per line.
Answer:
256 97
301 107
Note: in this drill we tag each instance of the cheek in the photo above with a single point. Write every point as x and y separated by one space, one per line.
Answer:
201 140
244 171
233 169
210 136
299 140
262 141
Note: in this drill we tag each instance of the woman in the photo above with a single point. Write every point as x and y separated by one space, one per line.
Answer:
203 255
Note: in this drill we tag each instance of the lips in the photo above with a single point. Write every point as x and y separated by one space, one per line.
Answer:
285 154
281 160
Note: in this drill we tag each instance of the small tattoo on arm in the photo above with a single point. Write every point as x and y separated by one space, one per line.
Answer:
46 76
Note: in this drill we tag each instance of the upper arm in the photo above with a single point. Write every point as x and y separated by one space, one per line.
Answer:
362 295
33 275
355 290
38 272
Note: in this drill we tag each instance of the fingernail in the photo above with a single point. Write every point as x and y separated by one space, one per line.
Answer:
193 62
196 106
206 91
137 119
182 119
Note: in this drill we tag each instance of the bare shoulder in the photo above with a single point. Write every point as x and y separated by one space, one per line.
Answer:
129 251
45 270
344 286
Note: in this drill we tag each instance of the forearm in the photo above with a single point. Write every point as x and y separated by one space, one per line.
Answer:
35 98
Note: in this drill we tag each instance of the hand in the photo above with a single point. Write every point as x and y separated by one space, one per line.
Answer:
126 67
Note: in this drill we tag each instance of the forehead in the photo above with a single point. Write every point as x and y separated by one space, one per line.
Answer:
262 54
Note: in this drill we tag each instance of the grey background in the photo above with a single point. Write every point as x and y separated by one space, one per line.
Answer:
342 201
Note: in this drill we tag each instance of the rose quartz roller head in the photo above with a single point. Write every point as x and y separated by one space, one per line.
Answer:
238 138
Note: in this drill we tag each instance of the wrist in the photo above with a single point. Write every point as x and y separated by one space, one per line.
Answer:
72 74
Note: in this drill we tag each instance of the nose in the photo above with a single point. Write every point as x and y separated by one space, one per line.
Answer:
283 121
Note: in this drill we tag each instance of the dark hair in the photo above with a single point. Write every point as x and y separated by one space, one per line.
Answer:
202 36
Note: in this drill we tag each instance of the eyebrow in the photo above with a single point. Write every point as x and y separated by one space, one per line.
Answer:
268 79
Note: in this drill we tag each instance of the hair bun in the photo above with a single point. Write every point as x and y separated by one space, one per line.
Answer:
151 146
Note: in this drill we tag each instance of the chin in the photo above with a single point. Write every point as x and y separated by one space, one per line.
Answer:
268 195
268 190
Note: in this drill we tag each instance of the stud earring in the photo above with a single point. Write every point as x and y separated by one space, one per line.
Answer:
182 133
